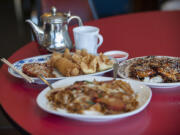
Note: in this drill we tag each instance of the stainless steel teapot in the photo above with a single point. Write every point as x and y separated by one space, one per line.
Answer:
53 35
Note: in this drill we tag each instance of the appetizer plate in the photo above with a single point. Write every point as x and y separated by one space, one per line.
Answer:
41 59
144 96
123 71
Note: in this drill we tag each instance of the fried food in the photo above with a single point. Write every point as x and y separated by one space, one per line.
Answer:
89 64
55 56
82 52
66 67
80 62
103 62
69 64
67 54
77 58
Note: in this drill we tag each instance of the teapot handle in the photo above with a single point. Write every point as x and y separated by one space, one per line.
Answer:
75 17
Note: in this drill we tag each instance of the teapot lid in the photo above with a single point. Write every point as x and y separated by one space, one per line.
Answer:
54 17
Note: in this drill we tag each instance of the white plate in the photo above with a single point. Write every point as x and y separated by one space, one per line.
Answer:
123 72
41 59
144 96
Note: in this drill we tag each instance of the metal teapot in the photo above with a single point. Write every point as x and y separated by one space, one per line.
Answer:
54 35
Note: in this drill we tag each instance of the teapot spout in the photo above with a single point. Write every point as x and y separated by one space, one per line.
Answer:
38 33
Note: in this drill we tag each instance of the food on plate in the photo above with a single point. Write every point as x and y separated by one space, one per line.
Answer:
69 64
89 64
55 57
66 67
99 97
35 69
155 69
80 62
103 62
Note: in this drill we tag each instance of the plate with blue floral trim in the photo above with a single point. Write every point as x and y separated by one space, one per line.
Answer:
42 59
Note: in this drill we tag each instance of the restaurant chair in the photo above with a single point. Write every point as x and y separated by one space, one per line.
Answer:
105 8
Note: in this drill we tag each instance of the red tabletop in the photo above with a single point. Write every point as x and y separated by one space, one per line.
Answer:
151 33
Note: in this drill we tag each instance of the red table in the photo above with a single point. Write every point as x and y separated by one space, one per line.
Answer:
151 33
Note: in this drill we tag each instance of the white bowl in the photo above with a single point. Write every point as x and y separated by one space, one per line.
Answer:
118 55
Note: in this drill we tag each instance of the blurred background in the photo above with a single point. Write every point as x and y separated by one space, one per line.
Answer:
15 33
